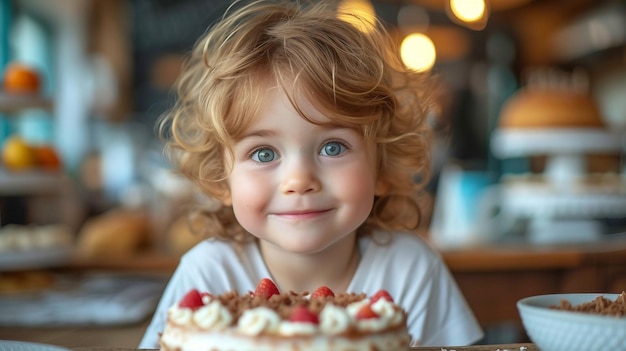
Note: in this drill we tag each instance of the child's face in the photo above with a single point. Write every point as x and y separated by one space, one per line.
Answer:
300 186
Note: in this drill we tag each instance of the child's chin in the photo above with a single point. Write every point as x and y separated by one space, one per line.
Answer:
305 247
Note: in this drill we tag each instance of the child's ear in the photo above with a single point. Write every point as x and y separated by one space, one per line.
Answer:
382 187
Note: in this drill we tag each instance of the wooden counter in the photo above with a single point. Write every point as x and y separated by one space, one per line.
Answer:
494 278
104 337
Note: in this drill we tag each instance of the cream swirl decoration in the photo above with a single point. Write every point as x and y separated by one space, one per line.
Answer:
213 316
386 310
354 307
334 320
180 316
258 320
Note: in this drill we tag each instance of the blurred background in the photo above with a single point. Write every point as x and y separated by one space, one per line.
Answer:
529 173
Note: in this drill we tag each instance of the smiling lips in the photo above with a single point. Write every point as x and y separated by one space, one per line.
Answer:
299 215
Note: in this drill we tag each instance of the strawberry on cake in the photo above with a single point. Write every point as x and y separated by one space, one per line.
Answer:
267 319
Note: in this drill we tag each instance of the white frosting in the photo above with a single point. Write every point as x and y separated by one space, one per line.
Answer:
288 328
213 316
334 320
206 299
371 324
354 307
388 311
258 320
180 316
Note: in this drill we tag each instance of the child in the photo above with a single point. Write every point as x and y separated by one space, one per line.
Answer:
311 135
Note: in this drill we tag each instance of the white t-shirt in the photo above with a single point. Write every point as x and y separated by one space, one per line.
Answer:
410 270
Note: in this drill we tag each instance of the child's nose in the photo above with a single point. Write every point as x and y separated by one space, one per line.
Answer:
300 179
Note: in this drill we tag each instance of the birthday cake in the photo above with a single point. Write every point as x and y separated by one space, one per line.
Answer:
267 319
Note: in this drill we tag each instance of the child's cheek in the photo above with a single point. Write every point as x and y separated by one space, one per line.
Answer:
250 196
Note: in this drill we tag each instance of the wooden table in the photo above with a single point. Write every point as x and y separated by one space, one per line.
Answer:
494 278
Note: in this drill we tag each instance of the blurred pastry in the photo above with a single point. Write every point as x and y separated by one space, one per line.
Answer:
535 108
117 233
552 99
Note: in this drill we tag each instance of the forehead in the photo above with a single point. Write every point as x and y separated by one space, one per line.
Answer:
260 92
291 99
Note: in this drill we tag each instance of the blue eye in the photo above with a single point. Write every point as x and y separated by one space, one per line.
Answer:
264 155
333 148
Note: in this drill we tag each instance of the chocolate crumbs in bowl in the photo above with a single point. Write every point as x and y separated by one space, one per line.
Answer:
600 305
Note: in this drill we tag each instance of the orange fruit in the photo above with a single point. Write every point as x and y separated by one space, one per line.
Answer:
17 154
46 157
21 79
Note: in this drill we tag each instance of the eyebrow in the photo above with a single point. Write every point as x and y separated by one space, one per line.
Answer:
259 133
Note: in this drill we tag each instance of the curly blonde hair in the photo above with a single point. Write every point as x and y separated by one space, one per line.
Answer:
355 77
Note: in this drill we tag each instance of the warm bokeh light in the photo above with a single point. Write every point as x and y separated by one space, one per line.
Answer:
418 52
360 13
468 10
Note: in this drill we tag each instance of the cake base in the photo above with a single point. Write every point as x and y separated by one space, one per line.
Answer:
175 338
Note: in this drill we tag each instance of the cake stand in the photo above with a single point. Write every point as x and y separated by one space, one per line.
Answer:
562 205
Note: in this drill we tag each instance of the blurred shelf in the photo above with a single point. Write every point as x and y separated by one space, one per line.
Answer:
569 141
145 262
32 182
13 103
542 203
35 259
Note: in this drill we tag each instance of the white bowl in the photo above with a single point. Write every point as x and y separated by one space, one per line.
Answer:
561 330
